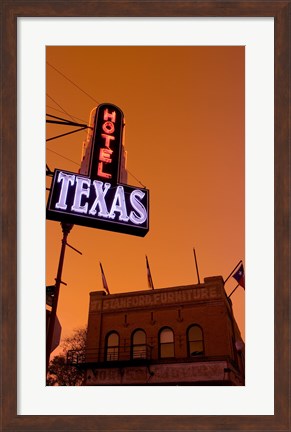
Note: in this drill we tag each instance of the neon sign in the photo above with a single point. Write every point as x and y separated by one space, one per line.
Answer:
106 143
77 199
94 197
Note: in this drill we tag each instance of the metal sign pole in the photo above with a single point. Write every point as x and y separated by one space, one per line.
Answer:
66 228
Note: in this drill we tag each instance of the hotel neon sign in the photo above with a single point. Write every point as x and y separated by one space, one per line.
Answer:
97 199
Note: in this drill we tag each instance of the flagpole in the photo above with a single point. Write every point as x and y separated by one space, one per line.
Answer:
197 271
233 290
232 271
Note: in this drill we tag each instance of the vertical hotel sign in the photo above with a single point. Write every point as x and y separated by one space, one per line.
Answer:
96 198
107 142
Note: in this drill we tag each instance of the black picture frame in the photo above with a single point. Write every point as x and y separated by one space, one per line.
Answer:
11 10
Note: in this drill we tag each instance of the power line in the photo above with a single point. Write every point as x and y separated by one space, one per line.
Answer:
72 82
64 121
67 133
48 106
64 157
60 106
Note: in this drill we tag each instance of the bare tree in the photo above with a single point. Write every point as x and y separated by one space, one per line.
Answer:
60 373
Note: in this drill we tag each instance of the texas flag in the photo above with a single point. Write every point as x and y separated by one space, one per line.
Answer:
239 276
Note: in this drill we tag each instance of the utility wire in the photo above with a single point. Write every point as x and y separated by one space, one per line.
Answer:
60 106
67 123
72 82
64 122
64 157
64 134
48 106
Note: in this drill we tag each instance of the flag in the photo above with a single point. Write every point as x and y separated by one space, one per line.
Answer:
239 276
150 281
105 286
197 271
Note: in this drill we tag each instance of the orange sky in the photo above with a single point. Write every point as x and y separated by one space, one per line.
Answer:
184 134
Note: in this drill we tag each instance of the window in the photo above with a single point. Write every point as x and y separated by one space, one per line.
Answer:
166 343
139 344
112 346
195 341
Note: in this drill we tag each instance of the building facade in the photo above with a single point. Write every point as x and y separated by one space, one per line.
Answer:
183 335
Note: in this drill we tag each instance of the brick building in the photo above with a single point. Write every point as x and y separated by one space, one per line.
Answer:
183 335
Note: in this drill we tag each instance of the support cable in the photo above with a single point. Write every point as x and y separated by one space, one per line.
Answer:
136 179
68 133
65 122
48 171
50 107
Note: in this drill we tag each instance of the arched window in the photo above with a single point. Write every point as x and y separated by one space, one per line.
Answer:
112 346
166 343
139 340
195 341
